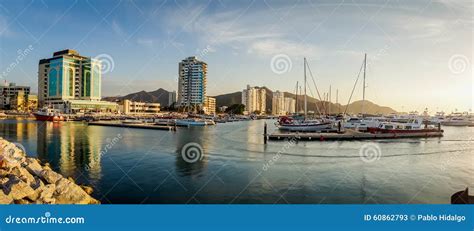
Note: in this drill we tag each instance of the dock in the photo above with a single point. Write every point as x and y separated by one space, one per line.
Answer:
350 135
141 126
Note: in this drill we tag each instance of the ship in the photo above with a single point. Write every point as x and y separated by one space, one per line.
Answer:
48 114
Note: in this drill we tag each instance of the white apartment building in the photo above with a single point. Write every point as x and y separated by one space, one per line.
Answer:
254 99
290 105
278 103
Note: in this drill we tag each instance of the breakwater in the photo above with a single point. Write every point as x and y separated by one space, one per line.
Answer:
24 180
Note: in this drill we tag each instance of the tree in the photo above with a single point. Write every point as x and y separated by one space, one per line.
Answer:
236 109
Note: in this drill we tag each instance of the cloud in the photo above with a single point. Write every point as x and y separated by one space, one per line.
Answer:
269 47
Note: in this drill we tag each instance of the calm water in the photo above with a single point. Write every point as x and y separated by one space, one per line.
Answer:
146 166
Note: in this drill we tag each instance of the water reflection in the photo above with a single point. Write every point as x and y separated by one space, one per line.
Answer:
68 148
191 151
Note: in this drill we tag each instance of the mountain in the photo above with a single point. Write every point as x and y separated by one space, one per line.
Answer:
162 96
324 106
159 96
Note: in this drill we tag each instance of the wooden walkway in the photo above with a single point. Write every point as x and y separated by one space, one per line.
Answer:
142 126
350 135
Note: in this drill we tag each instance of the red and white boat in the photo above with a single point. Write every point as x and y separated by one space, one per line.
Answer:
412 126
48 114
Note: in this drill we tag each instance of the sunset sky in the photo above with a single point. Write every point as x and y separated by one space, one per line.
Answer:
419 52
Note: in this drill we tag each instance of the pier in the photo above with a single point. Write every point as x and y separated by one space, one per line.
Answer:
350 135
141 126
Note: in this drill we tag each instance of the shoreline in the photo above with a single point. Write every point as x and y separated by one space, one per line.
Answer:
24 180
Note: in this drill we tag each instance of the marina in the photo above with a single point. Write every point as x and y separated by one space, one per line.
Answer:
250 170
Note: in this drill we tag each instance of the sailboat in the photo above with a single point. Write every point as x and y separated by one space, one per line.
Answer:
292 124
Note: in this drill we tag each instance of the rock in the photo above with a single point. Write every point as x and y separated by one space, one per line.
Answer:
50 176
71 179
89 190
18 189
23 174
22 202
33 166
46 195
4 199
69 193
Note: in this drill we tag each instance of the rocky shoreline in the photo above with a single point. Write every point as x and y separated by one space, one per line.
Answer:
24 180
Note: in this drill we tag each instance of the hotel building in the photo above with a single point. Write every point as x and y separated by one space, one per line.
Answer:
192 83
71 83
254 99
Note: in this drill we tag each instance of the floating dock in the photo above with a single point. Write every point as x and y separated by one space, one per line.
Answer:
351 135
142 126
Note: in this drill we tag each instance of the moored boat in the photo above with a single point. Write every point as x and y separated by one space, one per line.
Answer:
194 122
412 126
293 125
48 114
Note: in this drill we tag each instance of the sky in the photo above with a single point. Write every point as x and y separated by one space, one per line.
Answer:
419 53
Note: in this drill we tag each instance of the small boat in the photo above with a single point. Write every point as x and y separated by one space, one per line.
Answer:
3 115
131 121
412 126
48 114
292 125
361 124
459 119
165 122
194 122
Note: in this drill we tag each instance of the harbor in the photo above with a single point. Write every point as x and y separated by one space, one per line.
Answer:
250 171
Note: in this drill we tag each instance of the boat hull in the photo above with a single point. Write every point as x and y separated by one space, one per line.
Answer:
304 127
40 117
400 131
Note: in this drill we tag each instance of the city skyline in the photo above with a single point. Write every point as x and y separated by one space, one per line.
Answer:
422 48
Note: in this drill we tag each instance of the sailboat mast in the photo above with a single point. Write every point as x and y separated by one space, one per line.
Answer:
305 100
363 87
329 102
296 92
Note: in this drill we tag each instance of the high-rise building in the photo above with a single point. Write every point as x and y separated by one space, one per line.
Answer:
71 82
290 105
210 106
171 98
254 99
10 93
192 83
68 75
278 103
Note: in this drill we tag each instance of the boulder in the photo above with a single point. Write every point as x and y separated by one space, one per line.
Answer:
18 189
4 199
69 193
50 176
89 190
23 174
46 195
33 166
